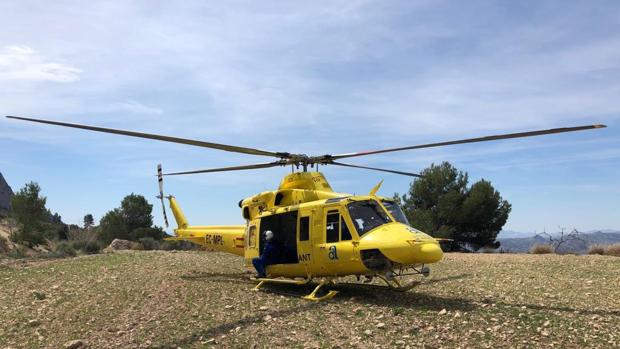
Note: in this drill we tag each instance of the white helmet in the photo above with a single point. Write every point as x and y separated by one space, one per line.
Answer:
268 235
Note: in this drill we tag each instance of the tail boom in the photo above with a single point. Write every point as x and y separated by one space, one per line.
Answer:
221 238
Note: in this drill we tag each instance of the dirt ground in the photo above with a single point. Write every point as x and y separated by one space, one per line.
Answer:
194 299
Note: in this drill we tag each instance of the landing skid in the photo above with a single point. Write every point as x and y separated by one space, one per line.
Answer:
319 293
262 281
312 296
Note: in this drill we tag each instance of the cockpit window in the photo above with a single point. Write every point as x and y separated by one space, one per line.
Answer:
367 215
395 211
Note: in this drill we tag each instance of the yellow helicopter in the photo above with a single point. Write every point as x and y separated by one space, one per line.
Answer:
324 235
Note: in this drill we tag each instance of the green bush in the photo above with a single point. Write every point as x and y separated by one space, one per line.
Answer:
155 233
88 247
177 245
4 245
64 249
35 222
148 243
92 247
18 252
29 238
78 244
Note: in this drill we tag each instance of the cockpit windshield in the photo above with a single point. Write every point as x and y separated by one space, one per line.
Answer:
395 211
367 215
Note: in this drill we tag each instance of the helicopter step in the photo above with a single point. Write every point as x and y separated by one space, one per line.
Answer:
312 296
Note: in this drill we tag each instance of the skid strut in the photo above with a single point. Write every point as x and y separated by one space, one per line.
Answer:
395 285
312 296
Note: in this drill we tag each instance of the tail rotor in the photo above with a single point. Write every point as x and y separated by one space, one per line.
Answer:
160 180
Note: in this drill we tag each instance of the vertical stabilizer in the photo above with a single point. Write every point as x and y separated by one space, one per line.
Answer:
375 189
178 214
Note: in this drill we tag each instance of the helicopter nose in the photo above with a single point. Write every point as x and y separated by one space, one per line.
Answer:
414 252
402 245
429 253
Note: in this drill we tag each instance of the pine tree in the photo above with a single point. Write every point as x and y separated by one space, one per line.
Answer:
442 204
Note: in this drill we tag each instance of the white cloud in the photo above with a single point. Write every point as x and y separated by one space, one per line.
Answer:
132 106
24 63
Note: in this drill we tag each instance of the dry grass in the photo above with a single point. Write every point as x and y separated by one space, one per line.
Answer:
597 249
157 299
613 250
541 249
602 249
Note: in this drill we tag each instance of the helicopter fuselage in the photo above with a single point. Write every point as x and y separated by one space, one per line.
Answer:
320 232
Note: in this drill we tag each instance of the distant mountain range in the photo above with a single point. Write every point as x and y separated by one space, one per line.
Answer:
521 242
511 234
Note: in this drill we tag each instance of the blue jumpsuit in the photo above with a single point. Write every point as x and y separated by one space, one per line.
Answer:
271 255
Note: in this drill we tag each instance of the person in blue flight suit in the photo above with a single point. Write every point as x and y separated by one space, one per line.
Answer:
271 255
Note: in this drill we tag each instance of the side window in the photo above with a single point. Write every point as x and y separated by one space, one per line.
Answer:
344 230
252 236
304 228
332 226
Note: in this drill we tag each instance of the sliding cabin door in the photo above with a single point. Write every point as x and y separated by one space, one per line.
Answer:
304 239
338 251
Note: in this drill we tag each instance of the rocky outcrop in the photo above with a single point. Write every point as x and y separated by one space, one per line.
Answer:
5 196
119 245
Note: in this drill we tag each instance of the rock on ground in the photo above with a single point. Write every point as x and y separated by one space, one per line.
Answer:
117 245
76 344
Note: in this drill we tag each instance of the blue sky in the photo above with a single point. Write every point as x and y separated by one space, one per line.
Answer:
315 78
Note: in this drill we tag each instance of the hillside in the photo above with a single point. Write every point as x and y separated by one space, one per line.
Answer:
5 235
197 299
520 245
5 196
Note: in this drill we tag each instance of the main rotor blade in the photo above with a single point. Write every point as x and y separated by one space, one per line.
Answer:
224 147
474 140
375 169
232 168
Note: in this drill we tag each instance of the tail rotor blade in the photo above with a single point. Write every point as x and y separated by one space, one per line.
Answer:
160 180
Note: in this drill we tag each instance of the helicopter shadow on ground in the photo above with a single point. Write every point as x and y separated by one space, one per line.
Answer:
413 299
359 293
372 294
